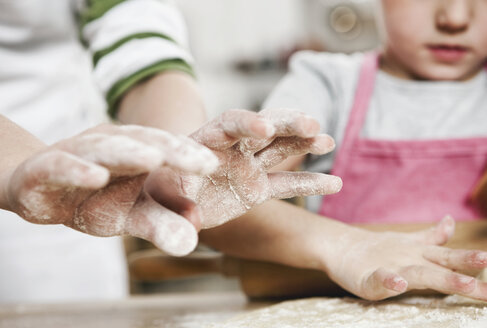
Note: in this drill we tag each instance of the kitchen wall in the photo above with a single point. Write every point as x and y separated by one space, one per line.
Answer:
242 46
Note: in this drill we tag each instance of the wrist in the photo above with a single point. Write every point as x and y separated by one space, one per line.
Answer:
332 241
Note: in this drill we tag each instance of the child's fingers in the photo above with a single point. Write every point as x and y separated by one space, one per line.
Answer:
479 292
284 147
456 259
59 168
180 152
383 283
232 126
191 157
287 123
167 230
439 279
239 123
439 234
290 122
291 184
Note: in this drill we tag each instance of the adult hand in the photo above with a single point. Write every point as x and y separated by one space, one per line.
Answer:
376 265
94 182
247 151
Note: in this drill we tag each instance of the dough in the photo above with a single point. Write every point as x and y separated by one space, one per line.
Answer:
410 312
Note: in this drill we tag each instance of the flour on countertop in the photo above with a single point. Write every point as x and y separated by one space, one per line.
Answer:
411 312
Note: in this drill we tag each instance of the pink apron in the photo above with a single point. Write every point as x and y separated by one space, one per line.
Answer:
402 181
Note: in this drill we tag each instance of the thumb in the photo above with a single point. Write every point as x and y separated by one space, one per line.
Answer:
383 283
165 187
167 230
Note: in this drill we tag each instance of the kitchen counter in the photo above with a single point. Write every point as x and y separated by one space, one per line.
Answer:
168 311
201 309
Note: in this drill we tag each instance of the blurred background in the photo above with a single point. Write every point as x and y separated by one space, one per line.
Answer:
242 46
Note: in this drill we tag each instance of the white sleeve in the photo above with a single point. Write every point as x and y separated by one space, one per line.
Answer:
131 40
321 85
304 88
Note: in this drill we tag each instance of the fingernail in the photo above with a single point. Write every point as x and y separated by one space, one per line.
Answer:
336 184
264 126
323 144
481 258
450 224
93 176
178 238
331 142
400 284
99 175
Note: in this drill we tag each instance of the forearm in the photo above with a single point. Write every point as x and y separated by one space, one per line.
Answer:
17 145
280 232
170 101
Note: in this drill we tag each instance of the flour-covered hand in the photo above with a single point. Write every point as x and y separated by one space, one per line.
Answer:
378 265
94 183
248 145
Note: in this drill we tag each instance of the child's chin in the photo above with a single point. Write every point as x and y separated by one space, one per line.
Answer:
442 73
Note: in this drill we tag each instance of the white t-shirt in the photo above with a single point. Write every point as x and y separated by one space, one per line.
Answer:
48 85
323 85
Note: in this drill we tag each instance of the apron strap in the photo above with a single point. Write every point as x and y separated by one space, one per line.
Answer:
363 94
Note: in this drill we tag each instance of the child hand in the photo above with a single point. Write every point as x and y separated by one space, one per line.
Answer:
248 145
94 182
381 265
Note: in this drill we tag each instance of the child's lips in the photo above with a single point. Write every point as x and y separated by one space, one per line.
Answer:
448 53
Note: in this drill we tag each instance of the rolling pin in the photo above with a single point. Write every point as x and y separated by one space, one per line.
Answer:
263 280
479 195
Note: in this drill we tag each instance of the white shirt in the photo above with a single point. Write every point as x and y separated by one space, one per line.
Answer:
323 85
48 86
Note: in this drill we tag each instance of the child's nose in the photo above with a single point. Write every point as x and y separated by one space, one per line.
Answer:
453 16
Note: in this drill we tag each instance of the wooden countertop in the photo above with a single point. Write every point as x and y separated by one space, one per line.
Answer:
168 311
199 310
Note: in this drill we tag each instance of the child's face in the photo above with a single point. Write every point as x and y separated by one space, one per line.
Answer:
435 39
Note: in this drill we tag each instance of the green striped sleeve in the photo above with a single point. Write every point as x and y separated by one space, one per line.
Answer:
95 9
116 92
101 53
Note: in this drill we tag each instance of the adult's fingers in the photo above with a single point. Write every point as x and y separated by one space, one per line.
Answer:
284 147
439 234
456 259
383 283
167 230
233 125
59 168
439 279
120 154
291 184
179 151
